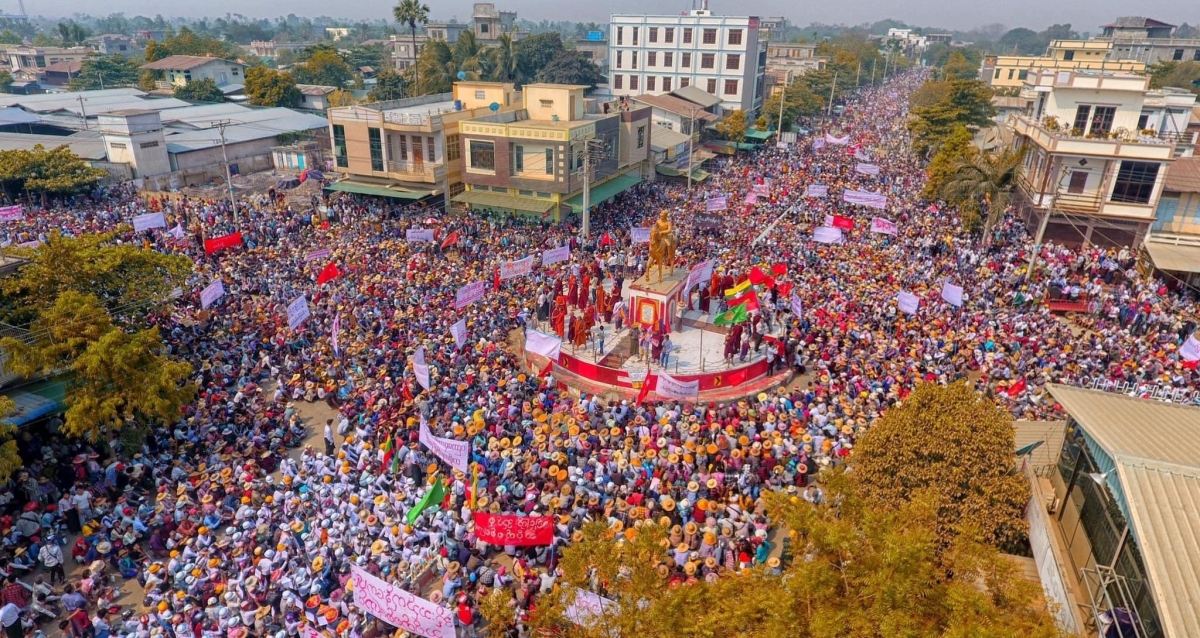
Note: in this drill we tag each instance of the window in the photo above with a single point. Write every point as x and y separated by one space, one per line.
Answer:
712 86
480 95
482 155
652 34
669 35
620 35
123 145
483 28
1196 55
685 60
633 56
403 147
731 87
1081 116
735 36
685 82
339 145
518 159
1022 75
1178 55
546 103
618 81
525 193
619 58
687 35
650 83
1011 73
1078 182
633 31
148 145
733 62
633 83
549 161
652 58
543 195
430 149
641 137
376 148
1069 55
234 71
708 60
1143 119
996 76
668 58
1102 119
1135 182
453 150
667 84
709 36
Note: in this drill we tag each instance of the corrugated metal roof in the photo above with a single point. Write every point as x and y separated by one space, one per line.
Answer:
315 89
183 62
1052 432
1173 257
662 138
1183 176
692 93
1155 448
88 145
269 123
678 106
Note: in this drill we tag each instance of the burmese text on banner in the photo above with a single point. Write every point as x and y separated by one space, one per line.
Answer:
840 141
148 221
817 190
11 213
297 312
669 387
469 294
399 608
638 235
885 226
502 529
715 204
419 234
866 169
827 235
699 273
548 346
318 254
220 243
864 198
211 293
420 368
456 454
459 332
555 255
510 269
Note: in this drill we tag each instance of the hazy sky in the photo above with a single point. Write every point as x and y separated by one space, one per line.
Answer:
947 13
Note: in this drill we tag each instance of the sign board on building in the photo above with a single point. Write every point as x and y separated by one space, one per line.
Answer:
595 36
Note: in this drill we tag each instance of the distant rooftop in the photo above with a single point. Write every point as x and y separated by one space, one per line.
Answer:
183 62
1135 22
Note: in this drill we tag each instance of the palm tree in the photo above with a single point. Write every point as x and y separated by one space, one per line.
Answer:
503 58
412 12
435 68
989 176
469 56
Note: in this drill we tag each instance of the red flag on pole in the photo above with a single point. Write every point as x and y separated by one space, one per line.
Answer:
220 243
496 280
758 277
644 391
779 269
1016 388
328 273
785 289
450 240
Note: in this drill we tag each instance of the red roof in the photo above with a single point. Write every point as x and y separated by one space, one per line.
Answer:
183 62
64 66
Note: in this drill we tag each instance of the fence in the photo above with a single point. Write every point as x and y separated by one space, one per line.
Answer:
1144 390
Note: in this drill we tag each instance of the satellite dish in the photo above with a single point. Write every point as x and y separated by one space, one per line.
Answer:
494 106
462 75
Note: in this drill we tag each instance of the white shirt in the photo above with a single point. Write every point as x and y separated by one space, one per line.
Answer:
10 614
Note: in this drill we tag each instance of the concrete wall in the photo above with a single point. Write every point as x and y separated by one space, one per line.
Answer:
205 174
1178 213
549 103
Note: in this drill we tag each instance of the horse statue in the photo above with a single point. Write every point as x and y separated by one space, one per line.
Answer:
662 246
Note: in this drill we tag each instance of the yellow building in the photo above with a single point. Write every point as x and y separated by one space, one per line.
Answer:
532 160
410 149
1010 71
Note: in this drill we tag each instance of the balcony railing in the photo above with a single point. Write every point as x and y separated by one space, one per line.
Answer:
427 170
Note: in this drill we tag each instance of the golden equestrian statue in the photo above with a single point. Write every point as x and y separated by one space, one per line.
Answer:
662 246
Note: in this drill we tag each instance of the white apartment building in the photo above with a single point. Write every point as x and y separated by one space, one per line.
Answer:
721 55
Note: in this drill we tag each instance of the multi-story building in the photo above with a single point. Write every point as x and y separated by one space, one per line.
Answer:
404 50
116 44
178 70
1009 71
1148 40
490 23
1174 241
271 49
595 47
410 148
1098 146
27 63
721 55
537 159
447 31
788 60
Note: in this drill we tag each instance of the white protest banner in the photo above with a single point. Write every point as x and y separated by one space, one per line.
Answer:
469 294
639 235
907 302
211 293
816 190
419 234
762 190
699 273
399 608
456 454
586 606
840 141
818 144
752 198
797 306
30 244
1190 350
555 255
715 204
510 269
297 312
671 388
862 155
148 221
420 368
866 169
459 332
781 144
548 346
952 294
176 232
885 226
827 235
864 198
12 213
320 253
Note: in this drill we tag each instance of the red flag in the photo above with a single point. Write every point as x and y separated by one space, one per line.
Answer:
750 298
1189 365
496 280
1016 388
644 391
450 240
785 289
779 269
546 371
758 277
220 243
606 240
406 392
843 222
328 273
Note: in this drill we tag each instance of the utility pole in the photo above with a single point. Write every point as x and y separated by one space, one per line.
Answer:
82 112
228 175
782 98
873 61
832 86
859 76
588 148
691 137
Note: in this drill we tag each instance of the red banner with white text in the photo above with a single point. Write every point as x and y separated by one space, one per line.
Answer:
506 529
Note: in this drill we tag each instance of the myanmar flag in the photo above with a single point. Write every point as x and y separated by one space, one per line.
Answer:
737 290
749 299
388 449
736 314
432 498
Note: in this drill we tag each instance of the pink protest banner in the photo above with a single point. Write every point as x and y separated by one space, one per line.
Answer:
885 226
866 169
840 141
587 607
716 203
506 529
469 294
510 269
320 253
864 198
638 235
11 213
555 255
700 272
762 190
752 198
817 190
399 608
455 453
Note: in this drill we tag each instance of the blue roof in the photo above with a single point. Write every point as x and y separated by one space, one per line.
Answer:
30 407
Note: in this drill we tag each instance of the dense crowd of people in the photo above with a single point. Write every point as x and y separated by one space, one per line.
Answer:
226 533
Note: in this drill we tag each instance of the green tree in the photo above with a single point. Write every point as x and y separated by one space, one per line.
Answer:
1182 75
986 180
958 145
503 60
325 68
105 71
958 67
188 42
203 90
798 101
967 102
72 33
389 85
947 442
8 37
268 87
412 13
435 68
1023 41
535 52
929 93
571 67
6 80
372 55
57 171
858 570
10 454
733 126
469 56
